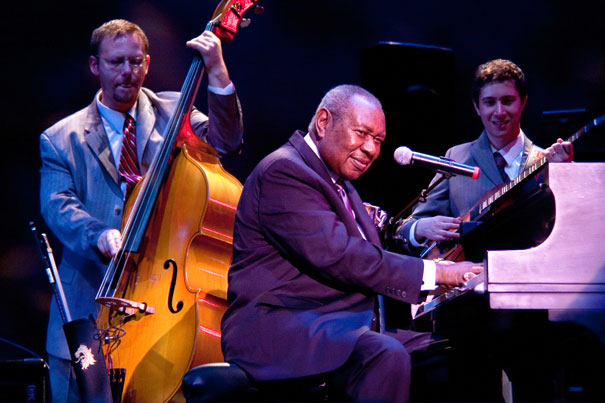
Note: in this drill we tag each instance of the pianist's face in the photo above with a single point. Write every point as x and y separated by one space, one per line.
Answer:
349 143
500 108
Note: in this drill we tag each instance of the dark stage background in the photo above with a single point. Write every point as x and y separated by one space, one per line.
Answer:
282 65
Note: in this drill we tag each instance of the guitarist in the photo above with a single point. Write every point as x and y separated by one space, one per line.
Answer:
83 181
499 96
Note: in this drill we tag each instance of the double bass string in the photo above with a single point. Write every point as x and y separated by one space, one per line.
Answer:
136 223
143 205
151 183
145 290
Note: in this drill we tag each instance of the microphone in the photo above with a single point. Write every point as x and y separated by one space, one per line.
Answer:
405 156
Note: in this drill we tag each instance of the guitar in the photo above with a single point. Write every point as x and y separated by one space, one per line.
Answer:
492 203
487 206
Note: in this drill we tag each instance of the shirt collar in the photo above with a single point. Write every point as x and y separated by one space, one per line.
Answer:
513 149
313 147
114 118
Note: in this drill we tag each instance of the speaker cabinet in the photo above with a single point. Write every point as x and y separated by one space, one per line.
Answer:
415 84
24 380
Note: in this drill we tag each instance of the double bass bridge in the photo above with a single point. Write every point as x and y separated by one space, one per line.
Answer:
126 306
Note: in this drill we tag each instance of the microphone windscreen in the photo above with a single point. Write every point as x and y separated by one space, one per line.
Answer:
403 155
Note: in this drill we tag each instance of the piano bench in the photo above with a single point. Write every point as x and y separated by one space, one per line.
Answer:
226 382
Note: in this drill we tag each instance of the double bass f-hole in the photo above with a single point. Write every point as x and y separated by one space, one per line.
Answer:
167 264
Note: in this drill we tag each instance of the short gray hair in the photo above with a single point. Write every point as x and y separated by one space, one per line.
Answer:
337 101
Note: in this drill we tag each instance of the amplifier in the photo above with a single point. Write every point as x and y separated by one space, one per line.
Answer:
24 380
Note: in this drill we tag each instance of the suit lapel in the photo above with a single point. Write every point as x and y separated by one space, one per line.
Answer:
363 219
361 214
96 138
482 153
310 157
145 125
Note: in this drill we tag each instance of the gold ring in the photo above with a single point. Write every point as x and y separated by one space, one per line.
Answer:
467 276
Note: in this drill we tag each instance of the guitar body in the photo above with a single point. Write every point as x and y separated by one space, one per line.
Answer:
501 219
189 298
527 195
445 251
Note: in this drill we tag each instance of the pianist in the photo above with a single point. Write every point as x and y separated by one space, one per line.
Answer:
307 263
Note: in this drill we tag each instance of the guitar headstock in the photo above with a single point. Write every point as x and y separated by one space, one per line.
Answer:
229 15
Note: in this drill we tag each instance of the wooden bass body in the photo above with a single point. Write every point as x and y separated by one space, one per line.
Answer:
180 271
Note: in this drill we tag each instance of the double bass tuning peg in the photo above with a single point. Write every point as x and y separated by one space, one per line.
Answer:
245 22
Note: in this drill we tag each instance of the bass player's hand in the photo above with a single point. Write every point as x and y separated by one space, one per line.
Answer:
110 242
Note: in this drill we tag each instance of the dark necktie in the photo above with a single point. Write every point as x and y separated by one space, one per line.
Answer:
344 197
129 166
501 163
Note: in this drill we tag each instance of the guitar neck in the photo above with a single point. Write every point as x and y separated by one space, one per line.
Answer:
485 203
588 127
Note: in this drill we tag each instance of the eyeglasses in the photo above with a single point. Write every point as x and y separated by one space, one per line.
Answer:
116 64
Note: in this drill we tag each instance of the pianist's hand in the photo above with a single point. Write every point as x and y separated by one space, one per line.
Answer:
452 274
439 228
561 151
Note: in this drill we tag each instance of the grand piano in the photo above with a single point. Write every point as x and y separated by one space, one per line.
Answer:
543 242
567 269
540 304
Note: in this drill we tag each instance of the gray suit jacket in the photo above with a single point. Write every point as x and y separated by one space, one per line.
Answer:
80 194
455 196
303 281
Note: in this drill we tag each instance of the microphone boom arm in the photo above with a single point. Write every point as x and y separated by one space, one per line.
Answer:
420 198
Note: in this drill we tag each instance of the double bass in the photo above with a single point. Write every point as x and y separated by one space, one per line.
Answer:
164 293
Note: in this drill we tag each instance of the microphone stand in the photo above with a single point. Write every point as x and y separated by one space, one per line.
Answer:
86 353
51 271
388 236
421 197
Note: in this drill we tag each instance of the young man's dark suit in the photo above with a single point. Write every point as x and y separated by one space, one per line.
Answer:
473 324
455 196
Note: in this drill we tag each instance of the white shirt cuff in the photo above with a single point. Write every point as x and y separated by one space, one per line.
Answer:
412 238
429 276
228 90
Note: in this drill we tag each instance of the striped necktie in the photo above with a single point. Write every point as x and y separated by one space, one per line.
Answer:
501 163
343 195
129 166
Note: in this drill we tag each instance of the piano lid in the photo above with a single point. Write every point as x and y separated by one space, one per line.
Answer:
567 270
